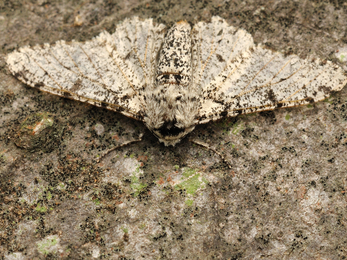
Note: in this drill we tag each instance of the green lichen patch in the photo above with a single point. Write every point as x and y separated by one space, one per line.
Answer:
327 100
226 124
237 127
142 226
49 195
191 182
40 209
137 186
188 172
189 202
61 186
342 54
125 229
97 202
48 245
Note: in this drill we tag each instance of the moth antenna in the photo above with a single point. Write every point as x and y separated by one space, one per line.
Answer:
119 146
205 145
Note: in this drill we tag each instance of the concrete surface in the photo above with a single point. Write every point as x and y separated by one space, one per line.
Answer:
283 198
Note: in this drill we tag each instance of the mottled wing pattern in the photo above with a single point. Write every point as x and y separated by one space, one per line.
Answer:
237 77
216 52
143 40
108 71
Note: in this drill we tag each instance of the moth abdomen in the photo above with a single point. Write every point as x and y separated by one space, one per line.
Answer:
175 55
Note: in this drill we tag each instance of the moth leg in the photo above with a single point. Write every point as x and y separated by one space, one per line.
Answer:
205 145
119 146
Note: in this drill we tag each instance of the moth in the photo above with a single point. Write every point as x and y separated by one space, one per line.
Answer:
173 80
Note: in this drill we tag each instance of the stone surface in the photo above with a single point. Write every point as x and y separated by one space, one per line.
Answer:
283 198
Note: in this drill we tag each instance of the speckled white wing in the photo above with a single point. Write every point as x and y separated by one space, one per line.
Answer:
108 71
237 77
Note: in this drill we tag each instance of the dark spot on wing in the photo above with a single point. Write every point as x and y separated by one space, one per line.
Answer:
162 78
125 98
224 113
21 74
309 99
66 94
323 62
178 78
202 117
76 86
128 56
325 89
39 85
271 96
220 58
176 61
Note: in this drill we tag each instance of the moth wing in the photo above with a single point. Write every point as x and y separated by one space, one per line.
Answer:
244 78
108 71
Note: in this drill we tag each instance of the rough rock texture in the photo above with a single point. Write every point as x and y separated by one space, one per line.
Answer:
283 198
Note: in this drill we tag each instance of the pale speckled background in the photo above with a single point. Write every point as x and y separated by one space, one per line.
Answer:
284 197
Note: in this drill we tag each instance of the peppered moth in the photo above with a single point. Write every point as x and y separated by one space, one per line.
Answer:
173 80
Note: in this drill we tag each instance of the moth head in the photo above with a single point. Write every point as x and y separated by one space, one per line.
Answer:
169 133
170 114
169 127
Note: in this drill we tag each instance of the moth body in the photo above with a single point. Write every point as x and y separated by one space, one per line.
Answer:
171 103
